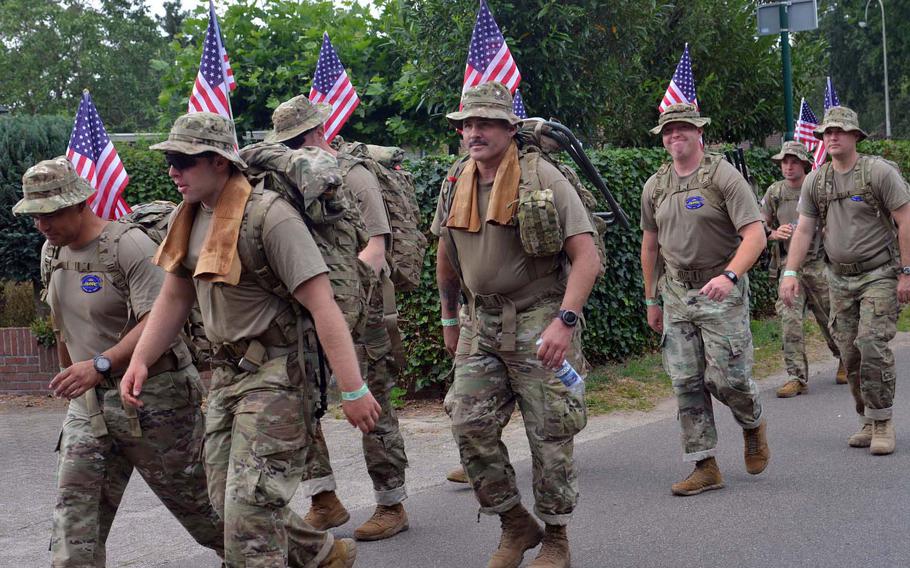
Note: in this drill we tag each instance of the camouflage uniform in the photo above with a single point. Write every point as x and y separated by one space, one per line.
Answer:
101 442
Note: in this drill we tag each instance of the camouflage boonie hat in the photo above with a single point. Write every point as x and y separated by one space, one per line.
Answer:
795 149
840 117
295 117
51 185
681 112
487 100
199 132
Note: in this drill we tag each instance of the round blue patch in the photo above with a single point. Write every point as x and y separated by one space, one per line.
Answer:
856 198
695 202
91 283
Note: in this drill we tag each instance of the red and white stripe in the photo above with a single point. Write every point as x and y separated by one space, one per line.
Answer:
502 69
674 96
109 179
821 154
206 99
343 99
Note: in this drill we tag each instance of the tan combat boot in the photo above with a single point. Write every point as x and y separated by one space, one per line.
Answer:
756 451
792 388
326 512
863 438
342 555
841 377
385 522
520 532
458 475
705 477
554 553
882 438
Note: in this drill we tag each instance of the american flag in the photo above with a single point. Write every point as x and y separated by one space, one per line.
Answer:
489 58
831 100
518 105
332 85
93 155
682 85
806 125
215 79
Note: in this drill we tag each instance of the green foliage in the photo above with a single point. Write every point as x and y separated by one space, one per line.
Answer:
43 330
17 303
148 174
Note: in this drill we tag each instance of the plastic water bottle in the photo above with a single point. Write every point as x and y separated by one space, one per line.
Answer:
568 376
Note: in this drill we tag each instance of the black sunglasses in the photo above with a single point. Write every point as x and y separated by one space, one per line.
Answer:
180 161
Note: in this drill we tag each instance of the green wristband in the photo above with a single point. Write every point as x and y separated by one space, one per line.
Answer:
792 273
354 395
651 302
449 322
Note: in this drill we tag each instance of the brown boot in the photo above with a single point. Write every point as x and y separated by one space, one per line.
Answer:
792 388
705 477
756 452
520 532
326 512
385 522
342 555
882 438
841 377
554 553
458 475
863 438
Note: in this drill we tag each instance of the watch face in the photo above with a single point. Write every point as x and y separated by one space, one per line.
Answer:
568 317
102 364
905 270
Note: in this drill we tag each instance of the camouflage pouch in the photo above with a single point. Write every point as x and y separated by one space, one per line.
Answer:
538 223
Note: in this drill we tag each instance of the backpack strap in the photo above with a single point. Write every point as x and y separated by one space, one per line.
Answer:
447 195
706 173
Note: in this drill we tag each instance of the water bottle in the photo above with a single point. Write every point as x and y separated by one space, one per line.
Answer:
568 376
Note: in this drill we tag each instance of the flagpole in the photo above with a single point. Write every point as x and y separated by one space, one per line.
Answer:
788 71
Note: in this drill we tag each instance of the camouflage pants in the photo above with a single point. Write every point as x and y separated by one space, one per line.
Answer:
813 295
93 472
255 437
864 311
707 350
383 448
488 383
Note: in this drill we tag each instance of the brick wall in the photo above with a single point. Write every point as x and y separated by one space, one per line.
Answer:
25 366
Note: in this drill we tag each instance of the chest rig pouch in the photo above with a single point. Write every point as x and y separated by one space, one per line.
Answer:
539 227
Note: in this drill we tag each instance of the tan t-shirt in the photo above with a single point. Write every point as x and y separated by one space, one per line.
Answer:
853 230
89 311
493 260
787 213
692 233
365 187
245 311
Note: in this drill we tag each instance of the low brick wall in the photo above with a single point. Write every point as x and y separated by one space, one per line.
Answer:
25 366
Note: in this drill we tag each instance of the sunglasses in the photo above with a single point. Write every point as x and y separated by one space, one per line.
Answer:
180 161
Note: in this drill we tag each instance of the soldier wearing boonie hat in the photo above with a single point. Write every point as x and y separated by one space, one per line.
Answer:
518 295
700 218
260 404
856 199
100 284
779 206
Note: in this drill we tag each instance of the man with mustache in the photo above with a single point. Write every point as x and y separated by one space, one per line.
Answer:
699 214
510 228
857 199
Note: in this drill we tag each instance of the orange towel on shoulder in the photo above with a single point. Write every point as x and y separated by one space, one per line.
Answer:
464 214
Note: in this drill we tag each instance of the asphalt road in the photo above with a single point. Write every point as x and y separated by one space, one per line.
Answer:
819 503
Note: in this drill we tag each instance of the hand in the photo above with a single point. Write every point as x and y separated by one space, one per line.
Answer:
717 288
788 290
73 381
656 318
903 288
450 335
782 233
554 344
362 413
375 260
131 384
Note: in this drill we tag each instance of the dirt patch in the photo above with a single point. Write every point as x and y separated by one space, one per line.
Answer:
20 402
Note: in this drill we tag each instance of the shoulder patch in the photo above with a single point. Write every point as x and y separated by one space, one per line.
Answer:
90 283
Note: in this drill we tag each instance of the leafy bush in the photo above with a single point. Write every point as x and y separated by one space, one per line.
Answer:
17 303
43 330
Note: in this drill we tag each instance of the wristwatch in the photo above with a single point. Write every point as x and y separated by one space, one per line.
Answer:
905 269
102 365
731 275
568 317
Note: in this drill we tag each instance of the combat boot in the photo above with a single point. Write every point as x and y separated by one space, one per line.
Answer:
520 532
863 438
757 453
342 555
705 477
792 388
385 522
458 475
882 438
554 553
841 377
326 512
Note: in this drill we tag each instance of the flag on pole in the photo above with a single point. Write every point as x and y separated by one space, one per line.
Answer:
518 105
332 85
682 85
831 100
94 157
215 79
806 125
489 58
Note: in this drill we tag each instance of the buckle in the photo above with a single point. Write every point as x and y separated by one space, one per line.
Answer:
247 365
688 275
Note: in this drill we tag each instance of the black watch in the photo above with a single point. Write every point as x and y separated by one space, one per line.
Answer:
568 317
905 270
732 276
102 365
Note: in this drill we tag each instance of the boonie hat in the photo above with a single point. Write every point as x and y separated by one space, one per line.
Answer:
295 117
199 132
50 185
840 117
487 100
793 148
680 112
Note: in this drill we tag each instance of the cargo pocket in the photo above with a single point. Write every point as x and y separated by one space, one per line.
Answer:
538 223
564 413
273 468
737 371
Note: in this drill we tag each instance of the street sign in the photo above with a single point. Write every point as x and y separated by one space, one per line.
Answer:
802 16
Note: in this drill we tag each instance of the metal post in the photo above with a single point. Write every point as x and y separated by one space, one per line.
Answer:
788 71
885 62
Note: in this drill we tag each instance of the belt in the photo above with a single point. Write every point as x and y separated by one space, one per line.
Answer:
248 355
856 268
496 303
695 278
